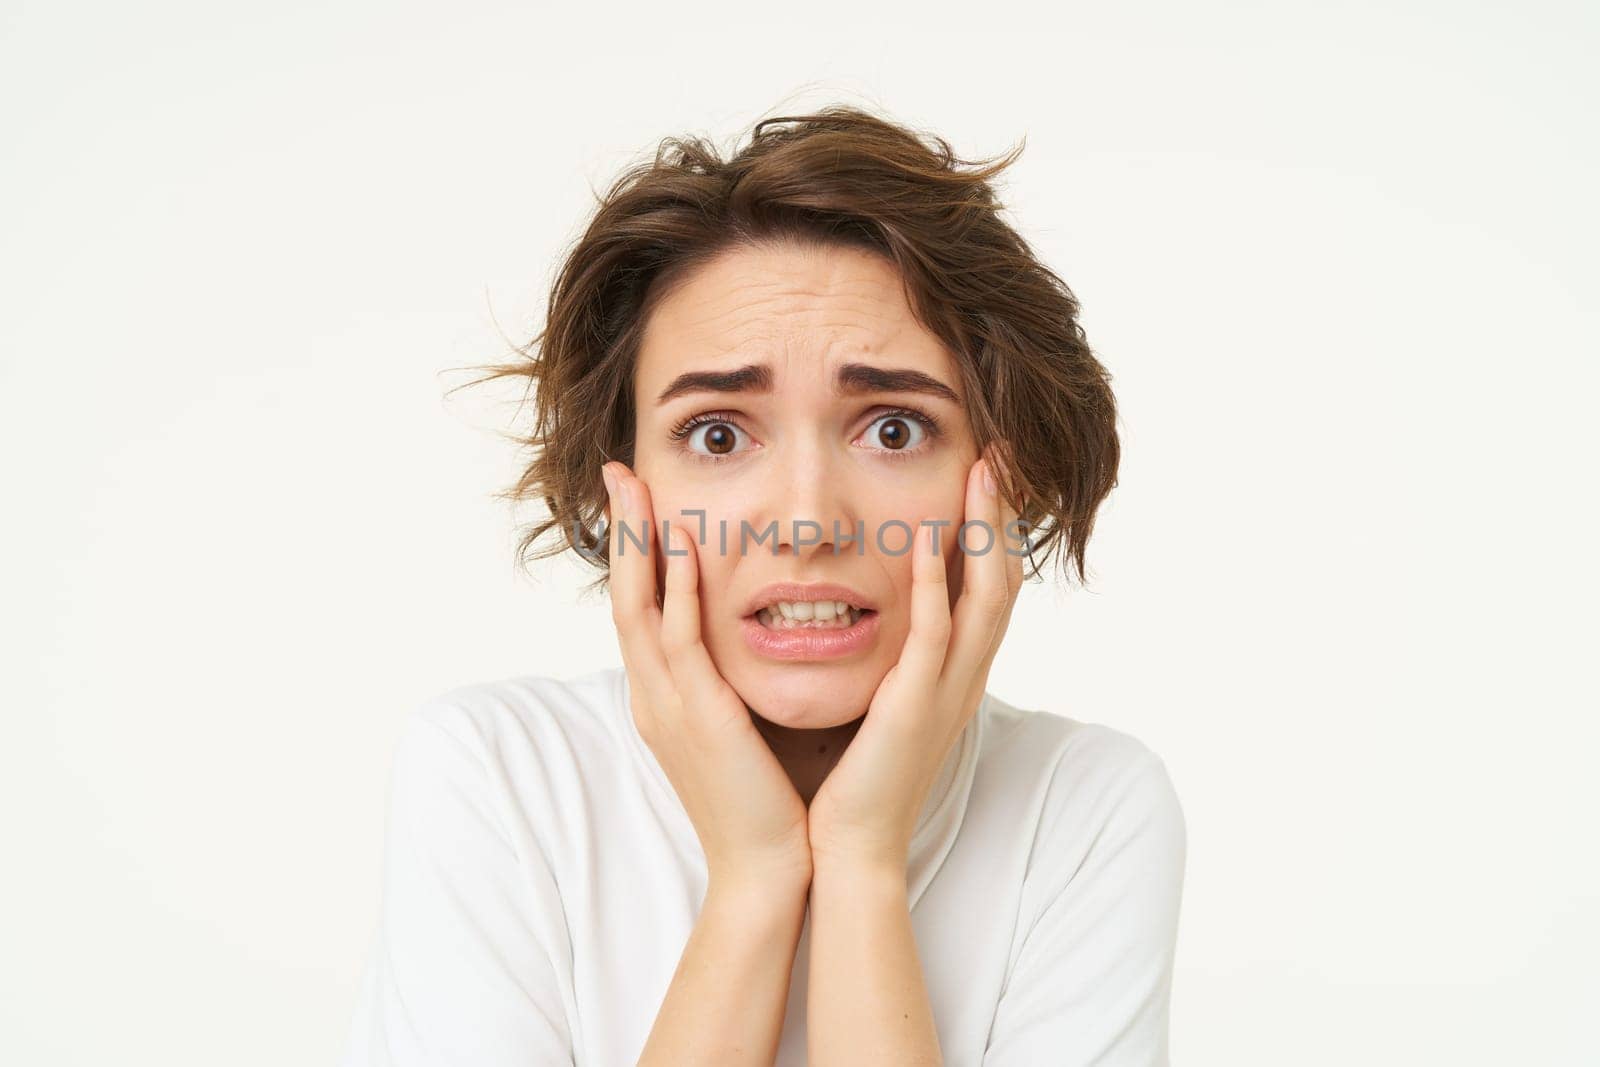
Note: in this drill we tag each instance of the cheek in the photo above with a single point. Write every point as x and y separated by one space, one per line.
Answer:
895 510
942 500
703 516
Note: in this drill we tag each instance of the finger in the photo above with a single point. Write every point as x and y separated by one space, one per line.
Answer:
680 605
926 644
1014 500
632 585
984 593
632 562
1013 553
1012 546
682 642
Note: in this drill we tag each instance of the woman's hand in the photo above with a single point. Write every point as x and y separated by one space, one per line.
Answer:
750 820
865 811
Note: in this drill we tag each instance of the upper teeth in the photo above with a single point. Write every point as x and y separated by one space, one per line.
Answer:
808 611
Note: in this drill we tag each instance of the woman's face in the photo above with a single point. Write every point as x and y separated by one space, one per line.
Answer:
845 415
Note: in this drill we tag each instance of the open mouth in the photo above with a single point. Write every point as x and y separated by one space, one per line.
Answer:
810 615
793 630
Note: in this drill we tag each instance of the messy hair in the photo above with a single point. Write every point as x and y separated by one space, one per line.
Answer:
838 176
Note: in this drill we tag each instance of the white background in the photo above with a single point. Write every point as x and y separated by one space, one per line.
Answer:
1339 258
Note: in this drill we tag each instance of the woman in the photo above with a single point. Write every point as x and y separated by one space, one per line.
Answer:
805 387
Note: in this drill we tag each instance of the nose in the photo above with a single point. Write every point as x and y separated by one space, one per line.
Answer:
809 498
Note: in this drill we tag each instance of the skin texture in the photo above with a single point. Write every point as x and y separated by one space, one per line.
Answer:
803 779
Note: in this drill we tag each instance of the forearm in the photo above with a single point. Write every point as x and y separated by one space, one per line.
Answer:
726 1001
866 1002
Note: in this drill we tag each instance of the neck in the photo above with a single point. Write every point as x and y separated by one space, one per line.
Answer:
807 755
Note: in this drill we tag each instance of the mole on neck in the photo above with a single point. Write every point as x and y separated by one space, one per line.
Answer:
806 755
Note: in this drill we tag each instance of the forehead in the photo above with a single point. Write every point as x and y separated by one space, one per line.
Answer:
801 309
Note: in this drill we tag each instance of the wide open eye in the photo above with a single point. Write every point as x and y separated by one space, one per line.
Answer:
898 431
714 437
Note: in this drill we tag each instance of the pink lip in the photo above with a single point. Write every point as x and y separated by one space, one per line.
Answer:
805 644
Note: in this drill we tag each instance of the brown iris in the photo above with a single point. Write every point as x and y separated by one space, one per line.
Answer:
894 433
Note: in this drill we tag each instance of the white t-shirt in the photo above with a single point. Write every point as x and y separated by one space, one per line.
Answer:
542 878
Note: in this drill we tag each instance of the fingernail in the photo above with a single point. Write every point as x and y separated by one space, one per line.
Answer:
988 480
609 479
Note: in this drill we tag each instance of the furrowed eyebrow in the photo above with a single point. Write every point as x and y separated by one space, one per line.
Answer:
864 378
755 378
852 378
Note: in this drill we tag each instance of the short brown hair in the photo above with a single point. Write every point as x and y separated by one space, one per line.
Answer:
840 175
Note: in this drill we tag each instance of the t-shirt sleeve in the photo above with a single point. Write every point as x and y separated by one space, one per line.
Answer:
460 971
1091 983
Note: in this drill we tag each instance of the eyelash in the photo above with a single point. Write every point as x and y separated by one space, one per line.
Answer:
929 424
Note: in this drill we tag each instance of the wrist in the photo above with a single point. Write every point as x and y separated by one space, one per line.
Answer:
757 896
860 876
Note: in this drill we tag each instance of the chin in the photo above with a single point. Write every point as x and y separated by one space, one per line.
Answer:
806 696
